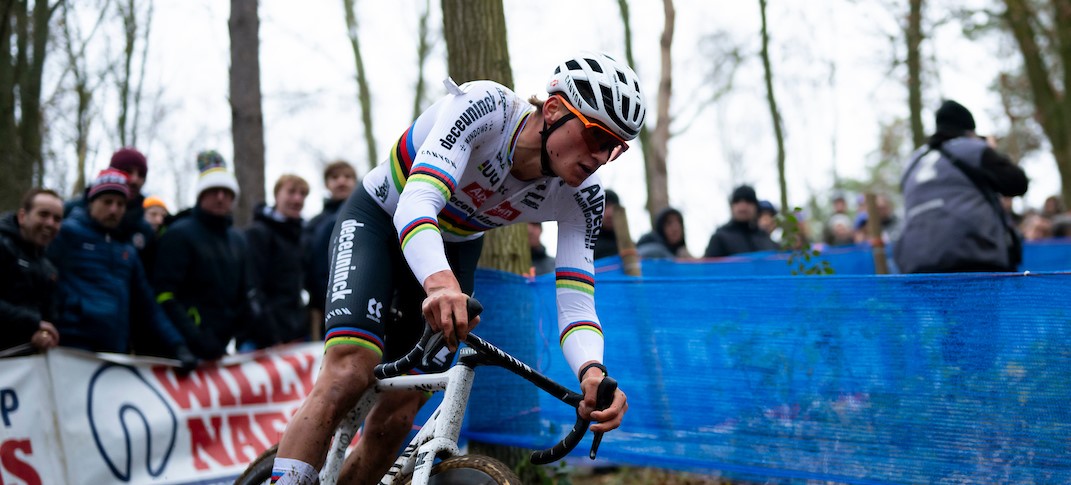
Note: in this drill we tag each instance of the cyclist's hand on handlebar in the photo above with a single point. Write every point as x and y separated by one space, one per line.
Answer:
609 418
445 308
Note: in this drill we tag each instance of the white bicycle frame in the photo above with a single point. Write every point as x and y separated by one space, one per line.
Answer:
439 434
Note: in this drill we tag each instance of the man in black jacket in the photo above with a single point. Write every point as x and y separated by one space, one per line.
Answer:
201 278
742 233
274 241
27 290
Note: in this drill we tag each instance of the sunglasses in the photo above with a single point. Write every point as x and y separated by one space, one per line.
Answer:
597 137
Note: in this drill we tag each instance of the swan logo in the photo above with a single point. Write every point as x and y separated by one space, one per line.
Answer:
120 423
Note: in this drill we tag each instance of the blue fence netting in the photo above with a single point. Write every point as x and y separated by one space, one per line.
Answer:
849 378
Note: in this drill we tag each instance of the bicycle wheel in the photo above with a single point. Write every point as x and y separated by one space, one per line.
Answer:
259 472
469 470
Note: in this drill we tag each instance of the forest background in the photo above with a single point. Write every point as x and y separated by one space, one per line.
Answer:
853 84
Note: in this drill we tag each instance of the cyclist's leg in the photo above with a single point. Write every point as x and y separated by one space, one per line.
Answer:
358 297
392 417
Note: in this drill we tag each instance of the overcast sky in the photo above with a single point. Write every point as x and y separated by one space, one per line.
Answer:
311 114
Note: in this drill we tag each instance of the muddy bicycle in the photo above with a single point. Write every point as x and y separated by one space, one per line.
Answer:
433 455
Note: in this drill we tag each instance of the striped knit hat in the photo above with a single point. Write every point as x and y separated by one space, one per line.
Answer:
109 180
214 174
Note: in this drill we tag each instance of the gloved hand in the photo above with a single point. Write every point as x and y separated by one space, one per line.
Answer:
188 361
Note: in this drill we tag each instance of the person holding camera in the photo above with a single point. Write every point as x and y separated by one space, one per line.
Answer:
954 219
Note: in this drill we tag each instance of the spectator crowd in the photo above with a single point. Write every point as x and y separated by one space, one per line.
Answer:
116 271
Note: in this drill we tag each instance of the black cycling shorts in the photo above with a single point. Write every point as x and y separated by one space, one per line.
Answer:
368 274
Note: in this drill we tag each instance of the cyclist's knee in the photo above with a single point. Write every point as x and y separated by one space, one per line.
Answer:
346 374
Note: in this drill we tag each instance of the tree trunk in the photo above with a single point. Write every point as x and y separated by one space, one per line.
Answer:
1051 103
423 48
657 180
363 95
475 32
20 80
914 72
130 37
10 157
775 115
246 116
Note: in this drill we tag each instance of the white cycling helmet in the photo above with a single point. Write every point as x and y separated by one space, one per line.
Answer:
603 89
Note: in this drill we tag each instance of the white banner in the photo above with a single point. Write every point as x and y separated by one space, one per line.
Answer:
127 420
29 447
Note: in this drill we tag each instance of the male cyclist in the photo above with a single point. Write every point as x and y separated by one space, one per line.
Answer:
479 158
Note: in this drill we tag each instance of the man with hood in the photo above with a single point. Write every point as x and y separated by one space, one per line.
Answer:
666 241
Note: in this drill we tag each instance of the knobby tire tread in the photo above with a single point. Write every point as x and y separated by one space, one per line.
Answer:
498 471
259 472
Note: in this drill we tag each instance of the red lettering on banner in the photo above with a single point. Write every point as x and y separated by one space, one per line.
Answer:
209 439
17 466
208 442
244 441
226 397
278 394
302 364
246 392
272 425
183 390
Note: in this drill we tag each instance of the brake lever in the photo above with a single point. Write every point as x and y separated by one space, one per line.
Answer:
604 397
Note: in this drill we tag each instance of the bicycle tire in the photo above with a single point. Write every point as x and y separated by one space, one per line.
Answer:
259 472
469 470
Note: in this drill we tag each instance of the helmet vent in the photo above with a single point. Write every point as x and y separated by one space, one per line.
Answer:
621 77
586 92
572 65
595 66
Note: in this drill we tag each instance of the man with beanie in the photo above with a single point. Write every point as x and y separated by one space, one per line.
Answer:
27 290
101 278
133 228
201 277
954 221
741 234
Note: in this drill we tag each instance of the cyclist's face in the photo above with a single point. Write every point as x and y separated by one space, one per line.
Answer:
572 155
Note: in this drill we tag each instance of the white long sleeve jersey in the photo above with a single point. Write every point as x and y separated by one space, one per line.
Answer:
448 178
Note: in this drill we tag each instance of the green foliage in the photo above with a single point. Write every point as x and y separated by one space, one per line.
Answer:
804 259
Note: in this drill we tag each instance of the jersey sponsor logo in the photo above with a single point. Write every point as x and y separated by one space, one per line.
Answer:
487 169
437 155
383 190
484 128
533 198
591 201
504 211
336 313
478 194
375 309
343 260
477 109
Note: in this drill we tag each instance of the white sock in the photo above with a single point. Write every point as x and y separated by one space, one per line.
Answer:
288 471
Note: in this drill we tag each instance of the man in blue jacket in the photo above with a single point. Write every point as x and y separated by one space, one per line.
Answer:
101 277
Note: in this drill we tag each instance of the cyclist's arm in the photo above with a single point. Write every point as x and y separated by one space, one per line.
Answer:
580 332
439 162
